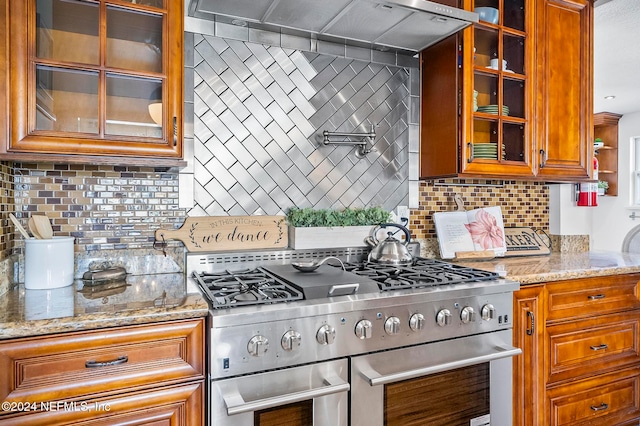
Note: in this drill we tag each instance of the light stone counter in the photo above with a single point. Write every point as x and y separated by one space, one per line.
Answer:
561 266
138 300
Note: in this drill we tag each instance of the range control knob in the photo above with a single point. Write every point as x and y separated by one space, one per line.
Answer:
326 335
467 315
416 322
258 345
364 329
290 340
443 317
392 325
488 312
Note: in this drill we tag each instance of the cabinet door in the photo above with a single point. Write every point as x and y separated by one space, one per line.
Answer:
564 33
499 50
96 78
475 119
528 368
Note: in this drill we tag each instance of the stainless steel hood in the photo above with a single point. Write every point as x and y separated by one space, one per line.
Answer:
410 25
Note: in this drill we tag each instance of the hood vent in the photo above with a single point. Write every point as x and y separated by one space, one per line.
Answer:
410 25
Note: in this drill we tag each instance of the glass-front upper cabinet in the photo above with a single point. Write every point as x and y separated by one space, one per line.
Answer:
97 77
498 132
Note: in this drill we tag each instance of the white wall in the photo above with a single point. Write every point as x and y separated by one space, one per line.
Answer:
610 220
565 217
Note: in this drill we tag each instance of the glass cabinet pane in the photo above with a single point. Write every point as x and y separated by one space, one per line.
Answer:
487 88
513 48
486 47
513 14
64 23
133 106
66 100
513 137
514 98
134 40
488 10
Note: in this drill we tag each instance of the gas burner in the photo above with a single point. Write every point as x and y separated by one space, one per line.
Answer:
420 273
247 287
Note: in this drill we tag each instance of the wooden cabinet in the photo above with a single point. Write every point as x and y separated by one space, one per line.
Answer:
605 127
528 335
491 96
134 373
564 58
93 81
581 352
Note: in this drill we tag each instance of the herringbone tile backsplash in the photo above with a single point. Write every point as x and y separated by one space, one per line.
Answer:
259 114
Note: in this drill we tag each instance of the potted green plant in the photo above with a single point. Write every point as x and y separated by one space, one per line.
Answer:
320 228
603 185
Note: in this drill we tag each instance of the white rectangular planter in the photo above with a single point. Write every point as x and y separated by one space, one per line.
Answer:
328 237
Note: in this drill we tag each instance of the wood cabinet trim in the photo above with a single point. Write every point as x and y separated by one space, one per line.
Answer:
24 144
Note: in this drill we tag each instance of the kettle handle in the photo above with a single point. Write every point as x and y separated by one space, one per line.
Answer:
395 225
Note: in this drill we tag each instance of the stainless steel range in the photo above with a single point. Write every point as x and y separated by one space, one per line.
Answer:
335 346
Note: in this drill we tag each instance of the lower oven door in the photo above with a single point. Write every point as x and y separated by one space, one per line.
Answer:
301 396
465 381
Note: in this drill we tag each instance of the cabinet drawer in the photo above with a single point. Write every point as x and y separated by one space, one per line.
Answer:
589 297
80 365
608 400
585 348
181 405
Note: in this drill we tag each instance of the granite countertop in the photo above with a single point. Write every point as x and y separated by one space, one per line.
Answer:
561 266
139 299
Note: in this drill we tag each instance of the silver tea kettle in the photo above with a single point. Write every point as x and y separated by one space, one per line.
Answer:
389 251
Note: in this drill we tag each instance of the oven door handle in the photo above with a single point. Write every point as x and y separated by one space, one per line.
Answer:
236 404
498 352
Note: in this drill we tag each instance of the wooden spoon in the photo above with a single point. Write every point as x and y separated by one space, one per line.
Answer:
43 226
33 229
19 227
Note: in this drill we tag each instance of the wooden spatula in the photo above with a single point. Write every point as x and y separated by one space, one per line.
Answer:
33 229
19 227
43 226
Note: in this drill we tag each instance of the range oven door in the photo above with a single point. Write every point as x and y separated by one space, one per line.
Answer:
465 381
300 396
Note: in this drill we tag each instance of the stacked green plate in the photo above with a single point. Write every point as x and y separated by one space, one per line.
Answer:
485 150
493 109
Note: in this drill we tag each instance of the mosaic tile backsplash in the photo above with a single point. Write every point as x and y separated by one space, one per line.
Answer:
6 200
104 207
523 204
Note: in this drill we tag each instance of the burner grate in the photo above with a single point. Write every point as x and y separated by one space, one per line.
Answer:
421 273
245 287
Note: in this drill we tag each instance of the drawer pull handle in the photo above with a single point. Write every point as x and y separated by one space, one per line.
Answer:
117 361
599 347
532 323
597 296
602 406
